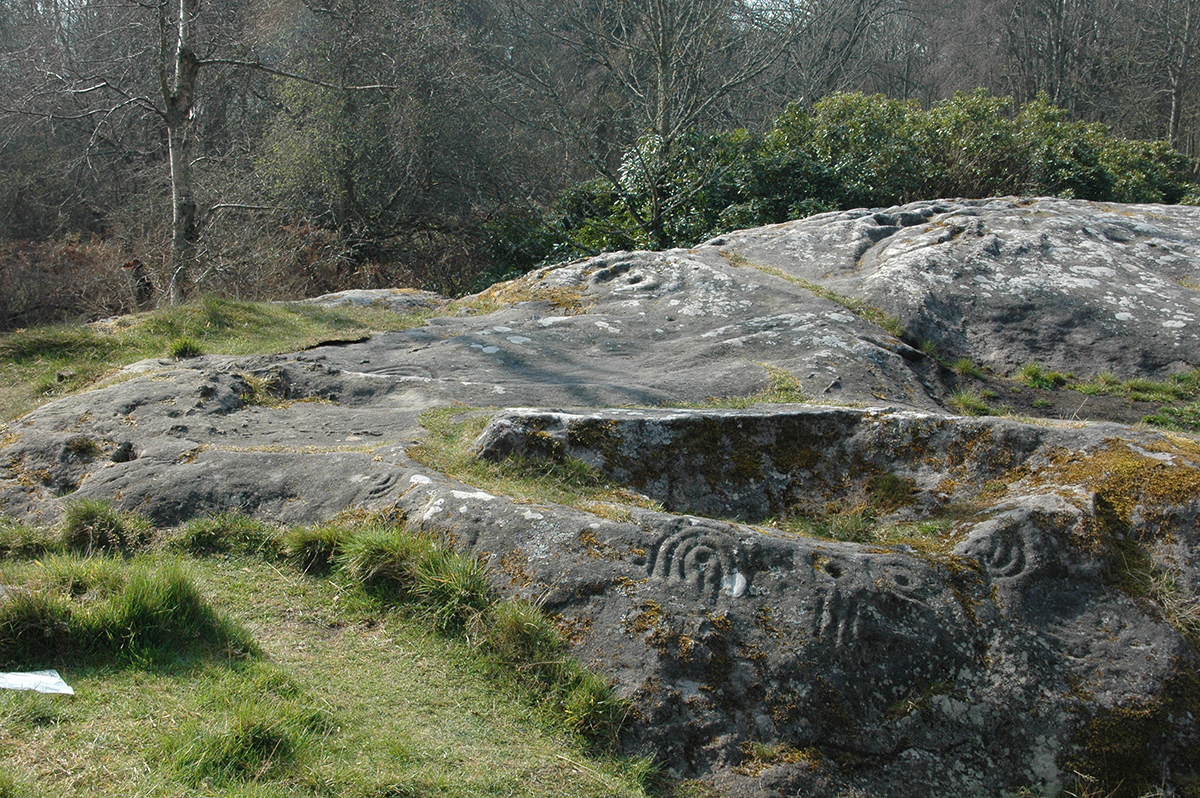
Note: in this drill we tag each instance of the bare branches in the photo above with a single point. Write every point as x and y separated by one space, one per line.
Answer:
259 66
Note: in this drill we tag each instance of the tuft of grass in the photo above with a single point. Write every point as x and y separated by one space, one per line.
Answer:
314 549
398 563
249 747
969 403
1178 387
11 788
261 725
183 348
1035 376
852 524
590 706
965 367
891 492
158 611
1184 418
24 540
35 628
453 586
263 393
83 447
384 558
95 609
226 533
94 525
520 635
783 387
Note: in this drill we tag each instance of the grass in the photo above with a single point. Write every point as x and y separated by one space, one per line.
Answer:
71 609
93 525
39 364
1035 376
861 523
965 367
1178 394
969 403
1183 418
783 387
348 691
1178 387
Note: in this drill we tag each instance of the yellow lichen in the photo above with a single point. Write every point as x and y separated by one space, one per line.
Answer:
1128 478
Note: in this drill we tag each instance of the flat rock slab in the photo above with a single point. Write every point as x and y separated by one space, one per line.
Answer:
1031 616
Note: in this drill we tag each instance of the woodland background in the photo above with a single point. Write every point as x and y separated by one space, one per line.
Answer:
282 148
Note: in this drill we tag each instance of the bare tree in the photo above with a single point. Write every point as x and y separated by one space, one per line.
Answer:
606 72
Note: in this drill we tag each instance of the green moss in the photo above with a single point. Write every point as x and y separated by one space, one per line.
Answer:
598 436
1129 478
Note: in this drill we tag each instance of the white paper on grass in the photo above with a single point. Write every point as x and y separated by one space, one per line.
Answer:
41 681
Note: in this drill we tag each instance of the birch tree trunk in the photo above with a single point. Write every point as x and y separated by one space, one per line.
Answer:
178 72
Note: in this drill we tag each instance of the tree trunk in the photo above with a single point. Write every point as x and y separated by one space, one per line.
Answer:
1179 72
179 94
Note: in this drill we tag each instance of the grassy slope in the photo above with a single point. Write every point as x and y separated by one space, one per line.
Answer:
403 712
39 364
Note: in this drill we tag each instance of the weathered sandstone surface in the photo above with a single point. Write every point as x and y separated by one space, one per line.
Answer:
1027 618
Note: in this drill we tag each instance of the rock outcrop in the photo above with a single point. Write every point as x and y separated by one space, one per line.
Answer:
1019 607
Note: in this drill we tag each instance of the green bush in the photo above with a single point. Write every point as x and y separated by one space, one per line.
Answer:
846 151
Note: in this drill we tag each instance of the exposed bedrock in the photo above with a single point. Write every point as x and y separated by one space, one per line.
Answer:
1030 615
1078 286
953 661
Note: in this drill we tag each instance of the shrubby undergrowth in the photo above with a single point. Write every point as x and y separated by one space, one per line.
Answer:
848 151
